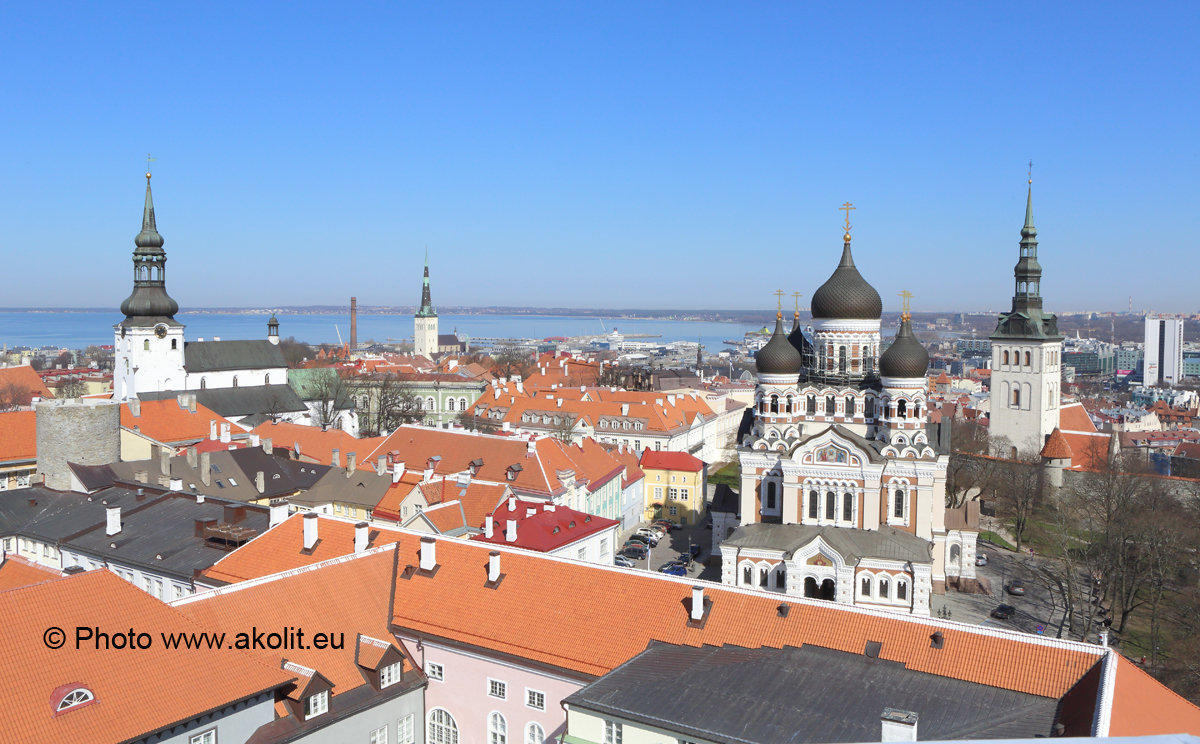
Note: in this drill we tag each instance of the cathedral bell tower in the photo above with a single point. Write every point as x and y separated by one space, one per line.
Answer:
149 341
1026 358
425 322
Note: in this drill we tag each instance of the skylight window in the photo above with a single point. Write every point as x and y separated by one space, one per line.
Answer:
232 482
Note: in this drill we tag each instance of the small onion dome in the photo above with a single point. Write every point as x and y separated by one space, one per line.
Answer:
778 356
798 341
846 295
906 357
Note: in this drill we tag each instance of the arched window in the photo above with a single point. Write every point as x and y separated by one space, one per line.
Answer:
146 345
869 408
450 404
916 410
883 588
865 589
789 404
235 380
1027 359
902 589
812 504
847 506
830 505
429 404
771 495
1016 397
830 405
849 405
534 734
203 383
174 344
267 379
747 575
901 409
75 697
497 729
441 728
774 404
812 405
763 573
898 504
462 404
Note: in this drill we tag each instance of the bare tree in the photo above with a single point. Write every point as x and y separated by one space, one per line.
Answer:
329 398
14 396
72 388
1016 486
392 402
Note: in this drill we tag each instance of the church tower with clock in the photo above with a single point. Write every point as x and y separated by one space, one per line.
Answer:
149 341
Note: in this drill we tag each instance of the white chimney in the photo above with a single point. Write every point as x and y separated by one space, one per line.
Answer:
512 503
530 511
558 403
193 458
176 484
335 458
397 471
493 566
381 465
505 426
206 468
135 407
268 446
260 482
113 517
310 530
520 386
360 537
624 409
697 603
428 553
225 438
548 506
489 526
279 513
212 428
511 534
351 463
898 725
199 498
255 440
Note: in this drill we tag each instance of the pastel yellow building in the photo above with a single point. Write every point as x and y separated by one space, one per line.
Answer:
675 487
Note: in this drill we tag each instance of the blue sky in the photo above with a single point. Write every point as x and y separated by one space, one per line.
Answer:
663 154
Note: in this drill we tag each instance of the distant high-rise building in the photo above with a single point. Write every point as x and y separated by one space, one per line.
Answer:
425 323
1026 356
1164 351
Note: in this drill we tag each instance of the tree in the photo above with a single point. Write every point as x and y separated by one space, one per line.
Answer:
72 388
294 352
65 360
14 396
1016 487
512 360
329 396
393 402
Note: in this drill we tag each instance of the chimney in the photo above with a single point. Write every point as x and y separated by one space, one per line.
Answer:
530 511
279 513
199 498
310 530
212 429
164 460
624 409
397 471
351 463
255 440
558 403
181 401
548 506
505 426
531 447
260 482
176 484
268 446
428 554
360 537
192 457
898 725
192 403
206 468
225 438
336 458
697 613
511 534
381 466
512 503
353 323
135 407
493 566
113 520
489 526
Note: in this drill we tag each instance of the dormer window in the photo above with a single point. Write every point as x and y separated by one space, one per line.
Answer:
390 674
75 698
317 704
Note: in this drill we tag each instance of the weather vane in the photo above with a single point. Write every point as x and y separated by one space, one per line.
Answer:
847 207
149 160
905 304
1030 171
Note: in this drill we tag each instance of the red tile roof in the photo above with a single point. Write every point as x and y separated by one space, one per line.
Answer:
671 461
548 528
389 506
1056 446
27 380
18 436
1142 706
16 572
136 692
315 445
166 421
1074 417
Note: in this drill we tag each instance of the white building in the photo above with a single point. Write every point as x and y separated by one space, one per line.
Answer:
1163 363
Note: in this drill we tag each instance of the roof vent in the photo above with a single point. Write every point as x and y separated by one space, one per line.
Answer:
873 648
783 609
937 640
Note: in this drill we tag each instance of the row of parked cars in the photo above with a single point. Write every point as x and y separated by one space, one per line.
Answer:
638 546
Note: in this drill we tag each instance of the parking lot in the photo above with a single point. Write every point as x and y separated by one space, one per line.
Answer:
672 545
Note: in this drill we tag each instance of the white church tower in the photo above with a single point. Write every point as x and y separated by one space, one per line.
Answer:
1026 358
149 341
425 322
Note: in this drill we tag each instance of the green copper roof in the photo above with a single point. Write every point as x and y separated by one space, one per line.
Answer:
148 240
1027 319
426 310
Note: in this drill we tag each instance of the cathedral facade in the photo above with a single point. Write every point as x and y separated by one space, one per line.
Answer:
842 478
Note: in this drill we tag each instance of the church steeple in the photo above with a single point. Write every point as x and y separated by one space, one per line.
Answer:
149 302
1028 272
426 310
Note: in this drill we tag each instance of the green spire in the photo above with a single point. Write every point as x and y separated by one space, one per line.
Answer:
148 240
426 310
1029 230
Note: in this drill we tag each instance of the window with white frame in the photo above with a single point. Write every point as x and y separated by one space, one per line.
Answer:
497 728
865 589
204 737
434 671
497 689
406 732
535 699
78 696
442 728
390 674
534 734
378 736
317 704
884 587
612 732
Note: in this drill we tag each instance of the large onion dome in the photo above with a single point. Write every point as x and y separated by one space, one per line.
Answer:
778 356
149 298
846 295
906 357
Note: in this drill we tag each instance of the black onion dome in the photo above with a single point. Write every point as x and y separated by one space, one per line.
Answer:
799 342
778 356
149 302
906 357
846 295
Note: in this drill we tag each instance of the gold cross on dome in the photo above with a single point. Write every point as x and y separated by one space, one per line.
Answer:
797 296
905 304
779 299
847 207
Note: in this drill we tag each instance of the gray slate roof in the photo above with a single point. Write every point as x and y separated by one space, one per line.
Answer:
796 695
242 401
852 544
232 474
53 515
214 356
362 488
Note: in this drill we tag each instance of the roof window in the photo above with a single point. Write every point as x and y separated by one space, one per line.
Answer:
75 697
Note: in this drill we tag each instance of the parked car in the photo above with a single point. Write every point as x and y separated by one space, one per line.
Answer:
673 562
643 539
622 561
674 569
1003 612
1017 587
981 559
685 559
654 532
666 524
696 549
636 551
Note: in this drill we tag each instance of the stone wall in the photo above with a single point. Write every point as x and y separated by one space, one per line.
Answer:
82 431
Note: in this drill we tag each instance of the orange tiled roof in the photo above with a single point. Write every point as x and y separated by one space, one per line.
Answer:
136 692
1142 706
167 421
314 444
281 548
1056 446
1089 451
477 499
16 572
18 436
26 378
389 505
1074 417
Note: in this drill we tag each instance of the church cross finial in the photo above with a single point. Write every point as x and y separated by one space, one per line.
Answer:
779 302
847 207
149 160
1031 172
797 297
905 304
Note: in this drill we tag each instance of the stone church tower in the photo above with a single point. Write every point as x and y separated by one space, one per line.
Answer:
425 322
1026 358
149 341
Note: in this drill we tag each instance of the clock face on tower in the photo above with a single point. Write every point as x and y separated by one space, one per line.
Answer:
160 330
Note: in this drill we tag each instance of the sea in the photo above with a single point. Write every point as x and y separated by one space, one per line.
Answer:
80 329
